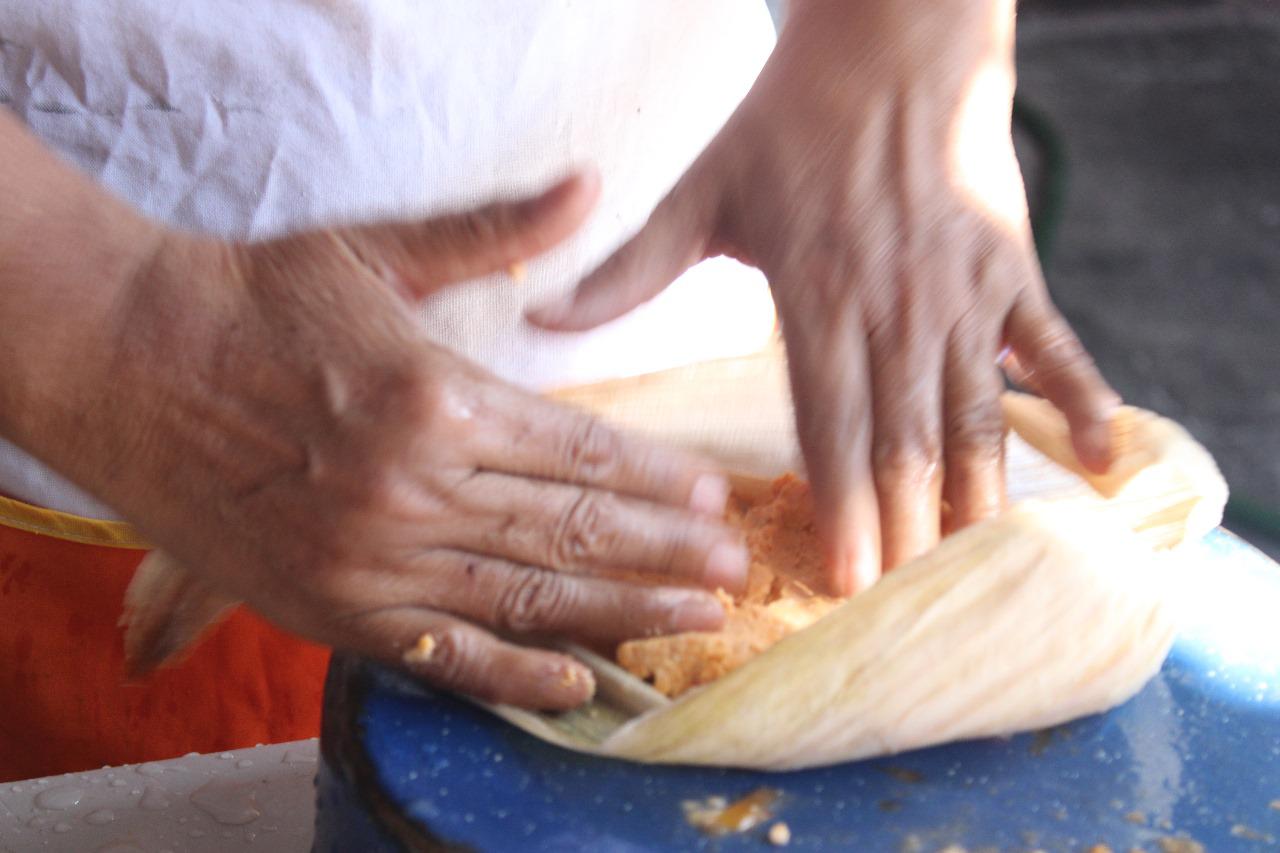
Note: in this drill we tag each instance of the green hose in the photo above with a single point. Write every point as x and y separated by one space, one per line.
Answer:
1050 193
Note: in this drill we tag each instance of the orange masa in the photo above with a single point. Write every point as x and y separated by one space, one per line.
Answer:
780 598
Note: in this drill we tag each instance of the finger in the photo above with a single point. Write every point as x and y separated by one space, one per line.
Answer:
1050 351
973 437
532 437
906 451
828 370
455 655
575 529
528 600
674 239
421 257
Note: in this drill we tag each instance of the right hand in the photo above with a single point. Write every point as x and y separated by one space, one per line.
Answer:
278 425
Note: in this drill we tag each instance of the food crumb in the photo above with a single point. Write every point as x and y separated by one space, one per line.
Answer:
911 843
421 651
953 848
779 834
1239 830
905 774
1099 848
1275 804
717 816
1136 817
517 271
1179 844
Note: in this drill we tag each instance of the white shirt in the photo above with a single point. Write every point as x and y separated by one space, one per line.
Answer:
254 118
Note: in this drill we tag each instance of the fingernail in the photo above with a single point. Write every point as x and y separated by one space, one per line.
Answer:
709 495
697 612
1095 449
575 678
727 566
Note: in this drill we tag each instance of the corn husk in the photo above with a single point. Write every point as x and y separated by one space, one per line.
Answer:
1053 610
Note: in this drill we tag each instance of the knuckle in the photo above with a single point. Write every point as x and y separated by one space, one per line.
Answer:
975 432
909 459
585 532
591 450
479 226
381 486
1058 350
535 601
454 660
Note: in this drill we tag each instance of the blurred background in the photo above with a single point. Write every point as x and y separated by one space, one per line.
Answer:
1149 132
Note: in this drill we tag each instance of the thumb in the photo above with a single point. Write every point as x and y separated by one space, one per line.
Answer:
422 257
675 238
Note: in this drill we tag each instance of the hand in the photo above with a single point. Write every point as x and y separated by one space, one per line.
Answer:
278 425
870 173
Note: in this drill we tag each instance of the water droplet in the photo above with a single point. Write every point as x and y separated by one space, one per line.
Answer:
229 804
133 792
225 755
154 799
295 756
62 826
118 783
40 821
196 833
149 769
60 798
16 789
100 817
243 763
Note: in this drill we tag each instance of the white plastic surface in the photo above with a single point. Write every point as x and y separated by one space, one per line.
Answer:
260 799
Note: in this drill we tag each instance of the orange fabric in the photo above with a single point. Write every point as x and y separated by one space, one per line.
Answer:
64 702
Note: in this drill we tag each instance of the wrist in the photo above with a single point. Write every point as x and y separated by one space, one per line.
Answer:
69 254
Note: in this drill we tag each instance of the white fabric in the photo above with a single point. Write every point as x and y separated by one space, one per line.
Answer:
252 118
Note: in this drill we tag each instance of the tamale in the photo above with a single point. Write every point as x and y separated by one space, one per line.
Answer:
1052 610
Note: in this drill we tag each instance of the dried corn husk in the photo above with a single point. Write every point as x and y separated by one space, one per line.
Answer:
1051 611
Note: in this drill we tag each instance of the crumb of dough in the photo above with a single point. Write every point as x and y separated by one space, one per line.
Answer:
517 271
779 834
421 651
1136 817
785 570
1239 830
1179 844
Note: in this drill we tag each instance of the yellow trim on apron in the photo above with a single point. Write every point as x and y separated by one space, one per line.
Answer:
72 528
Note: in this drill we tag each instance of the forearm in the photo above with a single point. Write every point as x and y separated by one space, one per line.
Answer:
916 38
68 253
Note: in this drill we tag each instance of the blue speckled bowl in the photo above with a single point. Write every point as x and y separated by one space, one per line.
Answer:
1195 754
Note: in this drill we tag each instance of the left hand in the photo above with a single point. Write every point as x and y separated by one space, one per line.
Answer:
870 173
